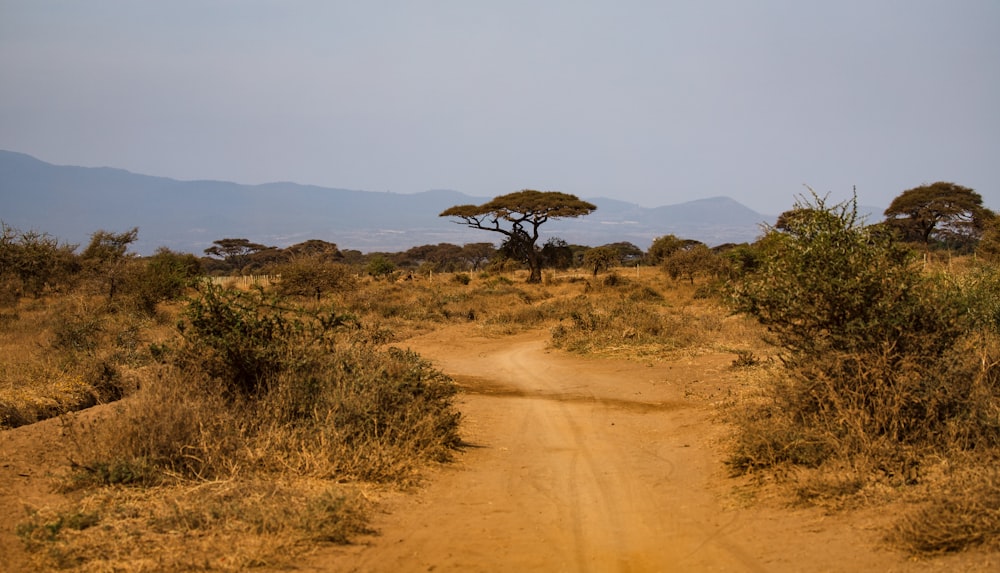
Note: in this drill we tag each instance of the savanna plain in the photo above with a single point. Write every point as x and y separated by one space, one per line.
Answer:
706 417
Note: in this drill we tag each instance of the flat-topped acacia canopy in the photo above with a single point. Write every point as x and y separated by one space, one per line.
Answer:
941 211
526 208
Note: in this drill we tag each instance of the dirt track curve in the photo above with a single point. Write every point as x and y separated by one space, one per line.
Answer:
592 465
573 464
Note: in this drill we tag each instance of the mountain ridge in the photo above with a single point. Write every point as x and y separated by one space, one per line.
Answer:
71 202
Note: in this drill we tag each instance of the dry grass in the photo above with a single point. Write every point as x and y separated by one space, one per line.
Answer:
842 429
502 304
186 477
64 353
33 387
229 525
252 395
644 315
961 510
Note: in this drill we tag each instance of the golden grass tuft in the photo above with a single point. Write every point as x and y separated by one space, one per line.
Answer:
963 512
62 353
225 525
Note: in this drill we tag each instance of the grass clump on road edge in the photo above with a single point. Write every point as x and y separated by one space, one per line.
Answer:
255 391
965 513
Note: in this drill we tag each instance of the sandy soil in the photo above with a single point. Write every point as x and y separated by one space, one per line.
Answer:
577 464
573 464
30 457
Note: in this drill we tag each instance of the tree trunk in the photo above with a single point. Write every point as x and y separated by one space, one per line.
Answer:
534 266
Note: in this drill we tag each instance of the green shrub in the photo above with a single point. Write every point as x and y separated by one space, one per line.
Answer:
314 275
980 292
825 281
162 277
246 338
876 351
693 261
32 263
380 266
260 385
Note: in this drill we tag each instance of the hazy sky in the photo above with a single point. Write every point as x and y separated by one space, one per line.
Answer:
653 102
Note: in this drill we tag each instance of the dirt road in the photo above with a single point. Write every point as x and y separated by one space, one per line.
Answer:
590 465
573 464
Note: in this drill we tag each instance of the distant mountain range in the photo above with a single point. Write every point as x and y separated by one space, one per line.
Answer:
72 202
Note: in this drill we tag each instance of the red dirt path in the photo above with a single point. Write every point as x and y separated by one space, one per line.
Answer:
574 464
580 464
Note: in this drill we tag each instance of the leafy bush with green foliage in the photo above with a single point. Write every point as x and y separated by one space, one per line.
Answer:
314 275
260 385
165 276
170 273
827 282
980 288
876 352
381 266
989 245
247 338
692 261
888 370
32 262
105 260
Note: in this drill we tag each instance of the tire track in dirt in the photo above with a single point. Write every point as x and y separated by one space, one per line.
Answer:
574 464
578 466
603 477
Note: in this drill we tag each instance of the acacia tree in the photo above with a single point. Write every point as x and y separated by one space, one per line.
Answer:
667 245
518 216
626 252
235 252
944 212
31 261
477 254
314 247
557 253
106 257
600 258
989 244
692 261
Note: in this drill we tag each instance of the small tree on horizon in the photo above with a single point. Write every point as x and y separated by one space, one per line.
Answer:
477 254
380 266
665 246
106 257
525 211
689 262
941 212
31 262
235 252
557 253
599 258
